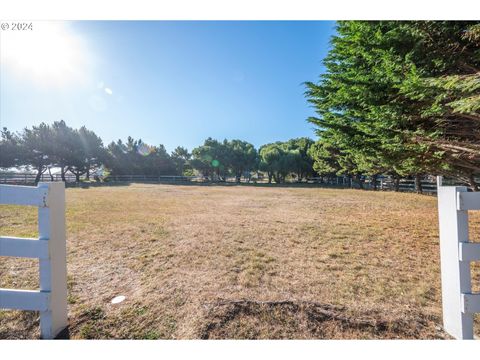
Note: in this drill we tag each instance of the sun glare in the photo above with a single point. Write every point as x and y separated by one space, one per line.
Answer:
50 53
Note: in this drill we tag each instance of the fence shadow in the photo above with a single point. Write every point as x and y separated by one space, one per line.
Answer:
208 184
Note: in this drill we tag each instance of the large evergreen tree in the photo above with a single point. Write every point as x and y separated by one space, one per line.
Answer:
376 102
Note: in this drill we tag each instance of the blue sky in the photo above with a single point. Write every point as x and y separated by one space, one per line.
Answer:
166 82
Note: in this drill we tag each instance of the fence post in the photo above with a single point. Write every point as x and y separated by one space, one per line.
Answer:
455 273
53 271
439 181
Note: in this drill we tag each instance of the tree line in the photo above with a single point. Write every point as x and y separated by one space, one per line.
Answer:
400 98
45 146
81 152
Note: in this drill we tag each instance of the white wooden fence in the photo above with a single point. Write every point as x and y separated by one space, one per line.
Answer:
50 248
456 253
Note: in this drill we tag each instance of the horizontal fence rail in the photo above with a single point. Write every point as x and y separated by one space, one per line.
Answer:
471 303
50 248
459 304
24 247
23 195
24 300
468 201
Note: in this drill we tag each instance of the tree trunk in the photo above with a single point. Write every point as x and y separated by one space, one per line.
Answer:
269 178
77 177
472 183
87 174
397 183
62 171
418 184
374 180
359 181
50 173
39 174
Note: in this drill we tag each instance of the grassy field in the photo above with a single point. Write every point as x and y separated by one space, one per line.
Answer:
240 262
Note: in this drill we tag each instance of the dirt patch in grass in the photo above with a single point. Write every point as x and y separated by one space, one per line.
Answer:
172 249
248 319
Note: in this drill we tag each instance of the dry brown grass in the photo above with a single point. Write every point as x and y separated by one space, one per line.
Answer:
240 262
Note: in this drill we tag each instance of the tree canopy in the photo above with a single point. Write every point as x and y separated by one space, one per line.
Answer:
45 146
280 159
399 98
217 159
138 158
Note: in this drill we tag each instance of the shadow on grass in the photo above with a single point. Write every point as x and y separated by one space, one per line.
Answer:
207 184
246 319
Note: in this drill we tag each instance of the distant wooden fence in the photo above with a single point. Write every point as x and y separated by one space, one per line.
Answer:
456 253
429 186
49 248
151 178
29 178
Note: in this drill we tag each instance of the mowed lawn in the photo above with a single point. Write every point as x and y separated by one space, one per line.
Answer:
240 262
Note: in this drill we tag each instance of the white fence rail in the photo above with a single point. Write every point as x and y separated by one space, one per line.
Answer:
50 248
456 252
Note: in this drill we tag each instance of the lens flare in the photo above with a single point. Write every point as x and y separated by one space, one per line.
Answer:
144 149
215 163
51 54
